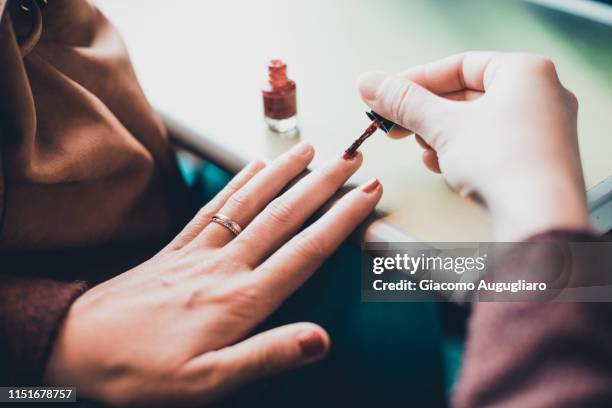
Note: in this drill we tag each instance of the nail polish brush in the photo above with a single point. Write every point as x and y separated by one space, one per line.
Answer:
378 122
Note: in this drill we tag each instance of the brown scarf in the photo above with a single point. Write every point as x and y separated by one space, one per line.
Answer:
85 160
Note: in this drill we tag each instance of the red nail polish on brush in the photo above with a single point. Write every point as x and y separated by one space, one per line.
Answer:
378 122
279 98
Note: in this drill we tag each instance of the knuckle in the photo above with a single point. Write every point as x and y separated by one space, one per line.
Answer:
403 99
210 371
280 211
240 201
249 301
573 100
249 172
543 65
411 109
196 297
309 246
203 215
254 298
532 62
246 293
265 361
241 298
233 186
257 165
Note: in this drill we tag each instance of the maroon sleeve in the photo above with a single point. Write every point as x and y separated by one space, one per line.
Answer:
31 311
538 354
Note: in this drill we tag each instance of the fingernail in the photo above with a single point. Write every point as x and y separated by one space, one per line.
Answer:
369 84
346 155
311 343
302 149
370 186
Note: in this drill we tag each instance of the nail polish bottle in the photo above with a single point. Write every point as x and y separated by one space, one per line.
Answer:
280 108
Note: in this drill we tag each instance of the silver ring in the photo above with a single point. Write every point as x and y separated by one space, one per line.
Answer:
228 223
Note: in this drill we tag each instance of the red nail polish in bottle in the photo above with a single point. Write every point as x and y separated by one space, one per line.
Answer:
280 108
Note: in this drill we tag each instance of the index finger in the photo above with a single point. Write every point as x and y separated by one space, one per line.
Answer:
457 77
454 73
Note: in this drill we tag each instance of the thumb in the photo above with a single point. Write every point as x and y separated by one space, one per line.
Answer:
264 354
406 103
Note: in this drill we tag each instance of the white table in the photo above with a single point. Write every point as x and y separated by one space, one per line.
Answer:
202 63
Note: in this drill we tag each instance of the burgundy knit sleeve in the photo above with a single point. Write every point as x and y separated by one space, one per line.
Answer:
538 354
31 311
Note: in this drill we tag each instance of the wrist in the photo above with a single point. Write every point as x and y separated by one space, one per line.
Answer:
533 207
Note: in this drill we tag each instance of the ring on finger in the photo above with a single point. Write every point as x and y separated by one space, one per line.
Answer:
228 223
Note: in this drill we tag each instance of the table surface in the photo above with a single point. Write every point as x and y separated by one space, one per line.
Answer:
203 63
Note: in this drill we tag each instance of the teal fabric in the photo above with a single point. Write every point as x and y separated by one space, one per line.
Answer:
452 355
383 354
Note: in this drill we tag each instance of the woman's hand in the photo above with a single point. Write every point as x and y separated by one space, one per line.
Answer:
499 126
172 330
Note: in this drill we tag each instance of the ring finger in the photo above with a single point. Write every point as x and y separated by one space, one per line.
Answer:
248 201
286 213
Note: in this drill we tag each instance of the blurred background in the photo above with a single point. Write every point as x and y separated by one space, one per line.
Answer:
203 63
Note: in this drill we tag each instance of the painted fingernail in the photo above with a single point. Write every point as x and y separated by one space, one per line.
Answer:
369 84
311 343
302 149
370 186
349 155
